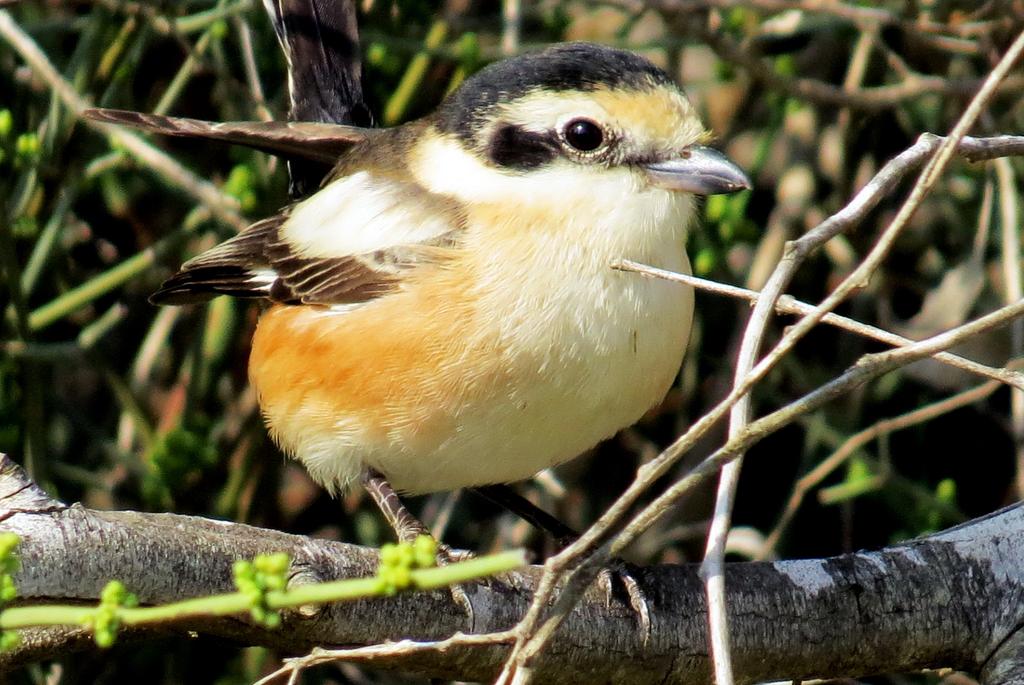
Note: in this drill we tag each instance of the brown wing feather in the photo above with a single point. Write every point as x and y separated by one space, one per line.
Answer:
232 268
295 139
316 280
257 263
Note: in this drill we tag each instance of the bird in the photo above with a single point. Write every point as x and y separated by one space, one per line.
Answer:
443 311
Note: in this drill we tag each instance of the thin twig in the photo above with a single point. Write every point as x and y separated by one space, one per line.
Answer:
868 367
713 568
869 97
787 304
590 542
252 76
1013 291
858 14
385 651
511 26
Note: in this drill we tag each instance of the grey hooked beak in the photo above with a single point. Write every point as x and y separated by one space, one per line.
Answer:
699 170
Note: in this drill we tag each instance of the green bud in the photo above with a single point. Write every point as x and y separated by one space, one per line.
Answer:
9 639
26 145
389 554
105 621
403 577
105 639
406 555
705 261
272 563
113 594
8 544
424 551
376 54
242 570
219 29
6 124
8 591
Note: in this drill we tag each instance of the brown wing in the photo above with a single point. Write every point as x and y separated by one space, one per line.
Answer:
358 237
236 267
295 139
258 264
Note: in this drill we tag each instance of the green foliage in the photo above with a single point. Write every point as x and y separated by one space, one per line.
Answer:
262 592
6 124
241 184
26 149
9 565
176 459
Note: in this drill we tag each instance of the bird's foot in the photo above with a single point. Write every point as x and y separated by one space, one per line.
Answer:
618 580
445 556
408 528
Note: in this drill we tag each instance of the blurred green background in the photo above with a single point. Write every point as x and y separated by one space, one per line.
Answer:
110 401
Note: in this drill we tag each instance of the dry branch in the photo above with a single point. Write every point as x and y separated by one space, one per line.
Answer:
945 601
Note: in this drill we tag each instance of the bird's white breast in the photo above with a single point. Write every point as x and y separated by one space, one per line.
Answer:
586 349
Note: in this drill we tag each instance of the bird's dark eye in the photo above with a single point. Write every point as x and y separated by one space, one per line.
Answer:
584 135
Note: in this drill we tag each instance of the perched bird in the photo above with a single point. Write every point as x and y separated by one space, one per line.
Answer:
443 311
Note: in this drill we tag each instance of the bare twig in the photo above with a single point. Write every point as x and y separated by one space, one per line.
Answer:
384 652
858 14
713 569
1013 292
868 367
869 97
787 304
511 26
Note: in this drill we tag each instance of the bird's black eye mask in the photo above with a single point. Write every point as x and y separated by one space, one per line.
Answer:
514 147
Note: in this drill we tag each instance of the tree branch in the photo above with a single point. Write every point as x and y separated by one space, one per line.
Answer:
945 601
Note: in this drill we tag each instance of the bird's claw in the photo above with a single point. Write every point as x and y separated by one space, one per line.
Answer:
623 572
447 555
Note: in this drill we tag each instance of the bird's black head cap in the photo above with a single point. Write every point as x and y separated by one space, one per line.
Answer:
569 66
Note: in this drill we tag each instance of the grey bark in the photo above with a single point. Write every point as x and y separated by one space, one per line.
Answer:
950 600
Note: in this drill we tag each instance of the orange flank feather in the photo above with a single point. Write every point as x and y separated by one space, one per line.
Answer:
338 386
